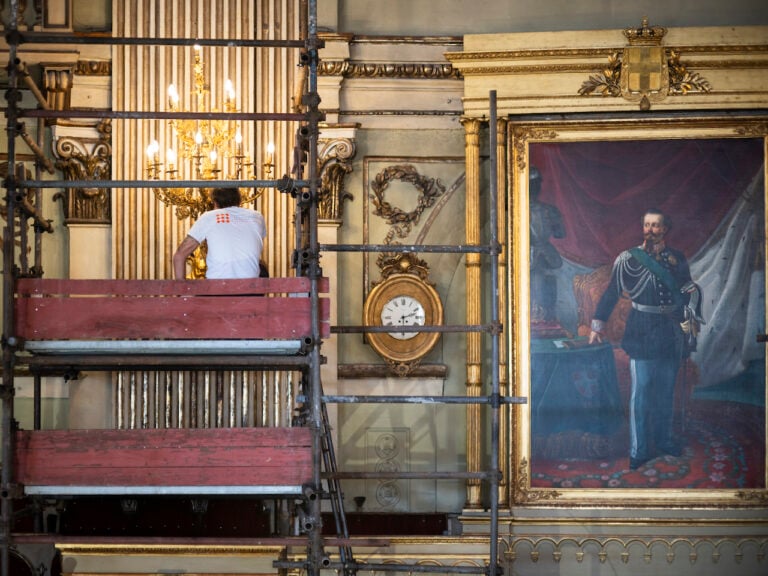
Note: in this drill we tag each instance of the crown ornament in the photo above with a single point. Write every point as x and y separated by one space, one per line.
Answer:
645 35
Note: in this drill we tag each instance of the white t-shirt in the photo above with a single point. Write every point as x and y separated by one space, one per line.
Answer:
235 238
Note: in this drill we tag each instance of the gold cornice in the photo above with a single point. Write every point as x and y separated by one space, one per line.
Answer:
529 54
595 52
431 40
529 69
598 67
727 64
407 70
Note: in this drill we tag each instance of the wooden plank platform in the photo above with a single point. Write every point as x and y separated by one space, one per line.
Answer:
260 308
258 461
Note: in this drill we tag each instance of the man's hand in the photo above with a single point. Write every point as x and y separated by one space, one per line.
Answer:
595 337
690 327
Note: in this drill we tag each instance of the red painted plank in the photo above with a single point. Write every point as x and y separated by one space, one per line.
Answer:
56 286
206 457
167 309
173 437
39 464
237 317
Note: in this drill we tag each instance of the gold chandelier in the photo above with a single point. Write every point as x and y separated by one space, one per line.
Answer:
207 150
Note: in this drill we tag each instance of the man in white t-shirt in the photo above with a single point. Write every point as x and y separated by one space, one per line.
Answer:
235 237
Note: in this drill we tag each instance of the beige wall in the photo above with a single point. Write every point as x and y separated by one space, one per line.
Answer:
457 18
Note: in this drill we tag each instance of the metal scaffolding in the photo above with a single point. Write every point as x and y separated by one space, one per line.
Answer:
305 190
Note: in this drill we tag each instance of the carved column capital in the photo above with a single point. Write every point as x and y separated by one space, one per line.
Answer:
337 147
85 153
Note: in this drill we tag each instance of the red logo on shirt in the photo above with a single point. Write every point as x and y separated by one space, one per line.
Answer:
222 218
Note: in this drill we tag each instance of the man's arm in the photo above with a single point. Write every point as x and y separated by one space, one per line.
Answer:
186 248
605 305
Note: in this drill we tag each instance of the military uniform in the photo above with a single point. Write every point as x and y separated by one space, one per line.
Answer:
663 296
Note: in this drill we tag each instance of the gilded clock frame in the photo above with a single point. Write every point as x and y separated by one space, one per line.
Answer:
413 349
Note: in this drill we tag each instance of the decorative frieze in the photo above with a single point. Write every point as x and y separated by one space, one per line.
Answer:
403 70
93 68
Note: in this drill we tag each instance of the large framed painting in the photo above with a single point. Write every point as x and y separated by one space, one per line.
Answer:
638 253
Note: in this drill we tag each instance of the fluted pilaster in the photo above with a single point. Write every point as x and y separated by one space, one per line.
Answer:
472 128
501 188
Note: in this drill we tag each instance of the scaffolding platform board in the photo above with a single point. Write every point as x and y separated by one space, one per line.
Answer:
249 316
203 461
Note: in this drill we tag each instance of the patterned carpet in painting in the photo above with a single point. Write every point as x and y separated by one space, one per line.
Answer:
724 448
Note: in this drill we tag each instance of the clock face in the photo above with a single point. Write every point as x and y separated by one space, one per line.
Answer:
403 310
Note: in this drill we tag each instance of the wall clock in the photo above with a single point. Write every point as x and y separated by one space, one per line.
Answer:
403 299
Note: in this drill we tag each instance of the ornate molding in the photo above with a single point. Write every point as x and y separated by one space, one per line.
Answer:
753 496
523 491
758 130
611 81
587 67
400 221
57 82
681 81
93 68
405 264
589 53
631 547
81 158
607 82
527 69
645 35
403 70
333 67
334 163
521 136
644 71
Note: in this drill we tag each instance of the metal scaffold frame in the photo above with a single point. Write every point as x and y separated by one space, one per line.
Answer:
306 192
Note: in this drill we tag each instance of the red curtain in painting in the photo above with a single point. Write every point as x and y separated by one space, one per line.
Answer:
602 190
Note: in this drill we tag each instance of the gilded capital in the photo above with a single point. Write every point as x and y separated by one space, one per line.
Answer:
335 155
84 158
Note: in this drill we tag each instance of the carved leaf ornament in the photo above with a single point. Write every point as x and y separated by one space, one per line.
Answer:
402 222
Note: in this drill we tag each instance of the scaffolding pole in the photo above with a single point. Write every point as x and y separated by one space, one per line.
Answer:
306 262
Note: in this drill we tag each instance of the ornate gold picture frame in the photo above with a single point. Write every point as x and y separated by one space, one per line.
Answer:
603 426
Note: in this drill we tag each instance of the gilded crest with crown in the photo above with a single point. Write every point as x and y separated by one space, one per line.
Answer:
644 70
